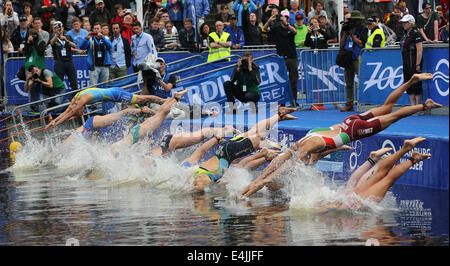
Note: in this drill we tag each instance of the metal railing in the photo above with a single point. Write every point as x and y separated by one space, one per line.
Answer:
319 80
204 64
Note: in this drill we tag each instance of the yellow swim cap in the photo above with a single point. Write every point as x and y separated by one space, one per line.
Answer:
15 146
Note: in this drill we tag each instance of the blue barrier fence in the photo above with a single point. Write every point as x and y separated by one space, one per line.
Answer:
319 76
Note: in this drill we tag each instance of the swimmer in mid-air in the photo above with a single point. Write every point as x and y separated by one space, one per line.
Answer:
94 123
232 150
374 187
93 95
373 178
150 124
352 128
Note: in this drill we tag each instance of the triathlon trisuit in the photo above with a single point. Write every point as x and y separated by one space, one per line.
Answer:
114 94
88 128
226 153
354 127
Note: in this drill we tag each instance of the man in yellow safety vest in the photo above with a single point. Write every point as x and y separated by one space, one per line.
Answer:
219 43
376 35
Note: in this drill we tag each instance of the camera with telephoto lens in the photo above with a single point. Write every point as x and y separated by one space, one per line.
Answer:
348 25
244 64
35 76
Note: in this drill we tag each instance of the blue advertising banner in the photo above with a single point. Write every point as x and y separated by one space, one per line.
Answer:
436 62
382 72
320 77
208 88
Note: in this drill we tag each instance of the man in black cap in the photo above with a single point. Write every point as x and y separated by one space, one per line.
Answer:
427 22
236 33
354 37
20 34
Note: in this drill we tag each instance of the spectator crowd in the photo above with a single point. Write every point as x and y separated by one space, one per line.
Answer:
113 38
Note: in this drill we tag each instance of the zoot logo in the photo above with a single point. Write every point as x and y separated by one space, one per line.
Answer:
388 77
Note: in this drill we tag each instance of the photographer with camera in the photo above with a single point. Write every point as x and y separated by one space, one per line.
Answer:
248 77
34 50
353 39
42 81
99 55
284 36
62 46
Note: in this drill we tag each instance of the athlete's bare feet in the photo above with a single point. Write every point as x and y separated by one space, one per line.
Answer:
287 117
179 94
411 143
286 110
420 77
432 104
376 155
419 156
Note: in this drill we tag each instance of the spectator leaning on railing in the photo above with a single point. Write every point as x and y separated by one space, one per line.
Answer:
427 22
172 42
78 35
219 43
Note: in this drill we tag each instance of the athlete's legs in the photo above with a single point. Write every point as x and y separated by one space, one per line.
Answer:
386 108
198 154
366 168
263 126
183 140
378 190
389 119
388 163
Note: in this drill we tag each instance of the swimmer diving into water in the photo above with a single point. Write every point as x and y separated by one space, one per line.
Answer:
354 127
232 150
93 95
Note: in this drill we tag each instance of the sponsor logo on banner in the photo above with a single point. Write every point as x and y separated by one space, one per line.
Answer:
328 77
440 79
383 77
19 86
